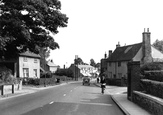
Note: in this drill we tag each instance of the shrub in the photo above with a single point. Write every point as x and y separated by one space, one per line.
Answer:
152 71
6 76
151 66
64 72
154 88
46 75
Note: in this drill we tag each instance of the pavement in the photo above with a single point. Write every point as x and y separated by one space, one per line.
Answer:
119 96
26 89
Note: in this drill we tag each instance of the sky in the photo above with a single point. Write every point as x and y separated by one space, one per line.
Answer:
96 26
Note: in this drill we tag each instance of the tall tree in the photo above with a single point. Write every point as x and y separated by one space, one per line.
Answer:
26 24
158 45
92 63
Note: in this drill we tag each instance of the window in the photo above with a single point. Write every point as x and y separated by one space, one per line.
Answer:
25 72
35 60
35 73
25 59
119 64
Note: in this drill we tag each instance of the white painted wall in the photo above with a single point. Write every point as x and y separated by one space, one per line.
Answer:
30 65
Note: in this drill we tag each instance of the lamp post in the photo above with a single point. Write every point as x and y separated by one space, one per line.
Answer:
44 67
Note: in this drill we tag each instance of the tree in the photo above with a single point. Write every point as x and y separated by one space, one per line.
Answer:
92 63
79 61
158 45
26 24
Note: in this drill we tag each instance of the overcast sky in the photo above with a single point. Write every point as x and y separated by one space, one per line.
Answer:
96 26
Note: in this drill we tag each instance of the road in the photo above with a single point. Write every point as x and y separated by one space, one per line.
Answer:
70 99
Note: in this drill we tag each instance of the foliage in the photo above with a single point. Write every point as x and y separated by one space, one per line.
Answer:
26 24
46 75
6 75
79 61
64 72
151 66
92 63
158 45
154 88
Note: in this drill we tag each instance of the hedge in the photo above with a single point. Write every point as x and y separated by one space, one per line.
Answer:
154 75
154 88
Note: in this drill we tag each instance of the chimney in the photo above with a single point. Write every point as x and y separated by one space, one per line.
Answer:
146 46
105 56
110 52
118 45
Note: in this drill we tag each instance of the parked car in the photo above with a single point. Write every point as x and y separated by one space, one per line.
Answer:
86 80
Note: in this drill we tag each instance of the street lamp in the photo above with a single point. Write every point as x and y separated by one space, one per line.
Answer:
44 66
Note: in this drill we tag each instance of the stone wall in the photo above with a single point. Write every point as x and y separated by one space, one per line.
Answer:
152 104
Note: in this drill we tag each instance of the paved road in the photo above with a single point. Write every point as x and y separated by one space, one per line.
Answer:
70 99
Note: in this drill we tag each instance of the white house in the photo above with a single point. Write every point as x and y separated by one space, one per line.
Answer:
29 65
51 66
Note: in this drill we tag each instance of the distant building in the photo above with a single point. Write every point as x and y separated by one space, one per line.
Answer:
27 64
50 66
83 70
143 52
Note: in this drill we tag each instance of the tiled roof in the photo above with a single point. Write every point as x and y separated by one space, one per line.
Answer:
29 54
125 53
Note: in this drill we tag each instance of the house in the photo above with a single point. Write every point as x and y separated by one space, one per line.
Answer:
50 66
143 52
27 64
82 70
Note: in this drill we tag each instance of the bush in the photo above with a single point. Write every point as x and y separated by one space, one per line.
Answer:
154 88
64 72
6 76
151 66
46 75
152 71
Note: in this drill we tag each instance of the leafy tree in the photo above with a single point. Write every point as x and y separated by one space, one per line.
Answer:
79 61
92 63
26 24
158 45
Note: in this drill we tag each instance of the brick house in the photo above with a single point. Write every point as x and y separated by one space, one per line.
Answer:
25 65
143 52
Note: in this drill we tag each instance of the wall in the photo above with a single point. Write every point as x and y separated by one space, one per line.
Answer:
29 64
53 69
114 69
152 104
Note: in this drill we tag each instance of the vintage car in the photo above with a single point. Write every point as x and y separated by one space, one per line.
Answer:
86 80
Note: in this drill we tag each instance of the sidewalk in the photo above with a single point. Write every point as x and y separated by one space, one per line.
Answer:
31 89
119 96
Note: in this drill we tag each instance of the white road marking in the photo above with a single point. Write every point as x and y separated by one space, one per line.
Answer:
64 95
51 102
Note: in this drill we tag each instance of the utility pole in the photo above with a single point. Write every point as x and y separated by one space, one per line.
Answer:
76 67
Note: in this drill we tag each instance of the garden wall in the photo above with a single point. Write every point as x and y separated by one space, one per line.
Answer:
148 102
